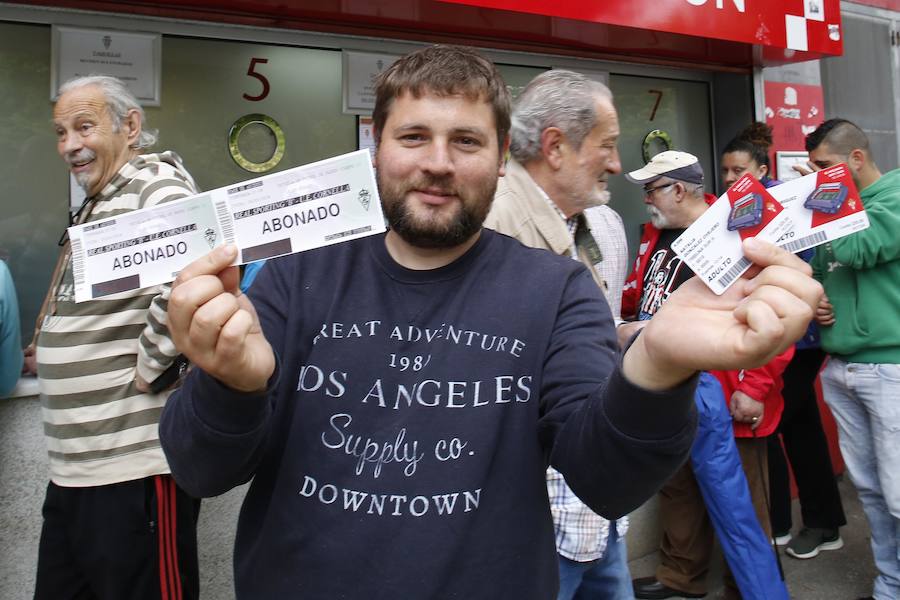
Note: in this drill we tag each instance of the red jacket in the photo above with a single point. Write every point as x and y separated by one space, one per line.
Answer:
763 384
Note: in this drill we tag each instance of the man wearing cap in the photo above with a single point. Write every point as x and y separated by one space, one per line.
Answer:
673 192
711 490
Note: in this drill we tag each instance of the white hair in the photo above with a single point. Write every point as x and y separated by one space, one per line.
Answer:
119 101
557 98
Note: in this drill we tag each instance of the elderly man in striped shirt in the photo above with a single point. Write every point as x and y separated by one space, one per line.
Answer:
115 524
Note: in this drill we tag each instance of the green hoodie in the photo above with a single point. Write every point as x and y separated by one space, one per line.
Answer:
861 275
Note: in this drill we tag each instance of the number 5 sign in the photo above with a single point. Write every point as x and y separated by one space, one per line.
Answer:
252 72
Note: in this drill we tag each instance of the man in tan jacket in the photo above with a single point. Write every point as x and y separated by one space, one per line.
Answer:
553 196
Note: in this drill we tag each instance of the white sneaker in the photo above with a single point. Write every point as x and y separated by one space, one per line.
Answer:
783 539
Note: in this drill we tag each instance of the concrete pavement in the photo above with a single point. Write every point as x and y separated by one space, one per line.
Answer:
844 574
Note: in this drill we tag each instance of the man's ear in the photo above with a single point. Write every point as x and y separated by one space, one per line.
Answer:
763 171
131 124
504 157
376 137
856 159
552 141
680 191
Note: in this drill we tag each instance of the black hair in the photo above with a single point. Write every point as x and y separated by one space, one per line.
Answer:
755 140
841 135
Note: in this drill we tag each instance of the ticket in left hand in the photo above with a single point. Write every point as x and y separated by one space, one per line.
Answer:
306 207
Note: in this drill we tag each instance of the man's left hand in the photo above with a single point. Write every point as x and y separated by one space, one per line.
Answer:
140 384
825 312
754 320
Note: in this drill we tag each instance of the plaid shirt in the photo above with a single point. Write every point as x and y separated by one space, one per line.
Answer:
581 534
609 231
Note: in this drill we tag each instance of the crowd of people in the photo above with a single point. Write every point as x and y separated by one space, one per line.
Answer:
490 471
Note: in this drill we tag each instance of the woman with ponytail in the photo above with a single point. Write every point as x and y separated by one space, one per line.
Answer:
749 153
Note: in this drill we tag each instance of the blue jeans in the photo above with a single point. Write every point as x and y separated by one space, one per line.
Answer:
865 401
606 578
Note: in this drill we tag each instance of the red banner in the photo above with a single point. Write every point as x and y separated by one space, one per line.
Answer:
800 25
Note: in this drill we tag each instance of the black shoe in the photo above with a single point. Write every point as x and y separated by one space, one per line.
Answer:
649 588
811 540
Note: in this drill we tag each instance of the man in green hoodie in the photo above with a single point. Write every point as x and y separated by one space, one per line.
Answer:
861 332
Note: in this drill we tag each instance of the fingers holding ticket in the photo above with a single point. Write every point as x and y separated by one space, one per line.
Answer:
216 326
806 169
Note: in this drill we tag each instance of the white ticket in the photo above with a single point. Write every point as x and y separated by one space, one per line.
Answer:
711 246
796 215
306 207
823 206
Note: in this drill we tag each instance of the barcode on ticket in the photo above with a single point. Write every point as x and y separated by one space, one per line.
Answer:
806 242
736 269
225 221
77 263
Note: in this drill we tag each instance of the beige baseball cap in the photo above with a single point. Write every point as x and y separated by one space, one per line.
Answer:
671 163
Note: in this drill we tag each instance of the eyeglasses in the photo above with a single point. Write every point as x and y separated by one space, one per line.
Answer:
649 191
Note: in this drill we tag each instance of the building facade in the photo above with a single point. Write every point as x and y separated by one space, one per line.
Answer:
235 83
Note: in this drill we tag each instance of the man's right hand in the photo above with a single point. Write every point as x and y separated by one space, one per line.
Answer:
745 327
29 360
215 325
809 167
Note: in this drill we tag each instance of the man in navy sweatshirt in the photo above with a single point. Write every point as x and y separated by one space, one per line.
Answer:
397 399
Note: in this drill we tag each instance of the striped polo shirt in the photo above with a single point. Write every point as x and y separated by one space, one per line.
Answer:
99 428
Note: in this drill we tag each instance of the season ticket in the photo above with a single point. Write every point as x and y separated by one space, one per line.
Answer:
306 207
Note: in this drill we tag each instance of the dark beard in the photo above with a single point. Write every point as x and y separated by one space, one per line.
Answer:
465 223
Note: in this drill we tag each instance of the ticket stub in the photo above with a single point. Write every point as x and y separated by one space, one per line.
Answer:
320 204
306 207
143 247
711 246
823 206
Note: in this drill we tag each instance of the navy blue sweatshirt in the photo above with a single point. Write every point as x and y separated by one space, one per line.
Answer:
400 450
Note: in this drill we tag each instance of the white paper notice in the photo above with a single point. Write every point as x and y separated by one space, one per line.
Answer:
306 207
814 10
796 32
